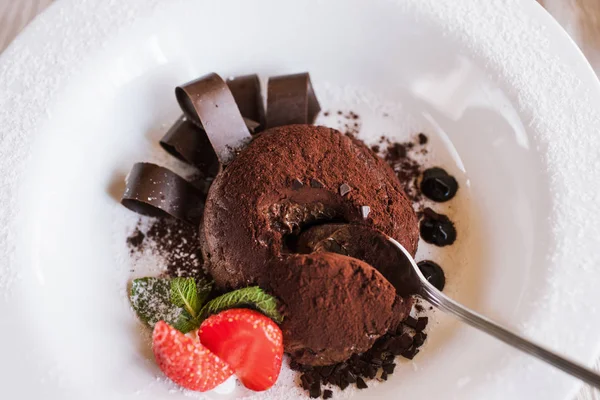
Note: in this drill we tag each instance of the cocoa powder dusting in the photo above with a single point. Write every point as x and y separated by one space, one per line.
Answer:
176 242
400 156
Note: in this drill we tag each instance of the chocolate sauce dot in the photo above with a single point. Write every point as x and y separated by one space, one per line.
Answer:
437 229
438 185
433 273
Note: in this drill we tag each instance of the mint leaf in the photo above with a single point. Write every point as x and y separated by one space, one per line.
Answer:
151 300
184 293
186 323
204 288
250 296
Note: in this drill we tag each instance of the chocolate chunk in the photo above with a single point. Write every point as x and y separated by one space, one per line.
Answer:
315 183
384 376
327 394
438 185
437 228
410 321
365 211
421 323
156 191
247 94
188 142
291 100
433 273
350 377
370 372
208 102
422 139
389 368
305 381
400 344
294 366
360 383
297 184
410 353
315 390
405 341
344 189
326 370
419 339
344 383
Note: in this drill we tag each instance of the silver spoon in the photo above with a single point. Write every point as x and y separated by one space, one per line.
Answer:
420 286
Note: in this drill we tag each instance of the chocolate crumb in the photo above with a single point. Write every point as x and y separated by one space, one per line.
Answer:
360 383
176 242
350 377
327 394
389 368
410 353
326 113
315 183
408 170
305 382
410 321
345 189
375 148
343 383
297 184
135 240
405 341
421 323
365 210
423 139
315 390
419 339
384 376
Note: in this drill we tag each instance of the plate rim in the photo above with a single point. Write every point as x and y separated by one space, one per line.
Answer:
22 52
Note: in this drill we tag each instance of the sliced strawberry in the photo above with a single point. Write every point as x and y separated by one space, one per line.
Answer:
185 361
249 342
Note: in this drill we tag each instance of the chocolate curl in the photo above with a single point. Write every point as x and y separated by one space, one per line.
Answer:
247 94
208 102
291 100
189 143
158 192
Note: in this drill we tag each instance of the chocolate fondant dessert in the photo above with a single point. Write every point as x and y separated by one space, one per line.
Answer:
295 226
287 179
336 306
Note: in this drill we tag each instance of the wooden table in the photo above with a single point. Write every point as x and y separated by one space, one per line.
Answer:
581 18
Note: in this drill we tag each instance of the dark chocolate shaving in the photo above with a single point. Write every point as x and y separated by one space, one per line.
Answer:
188 142
315 183
246 92
208 102
297 184
156 191
291 100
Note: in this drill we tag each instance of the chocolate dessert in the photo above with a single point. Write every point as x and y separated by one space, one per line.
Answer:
294 223
333 306
287 179
364 243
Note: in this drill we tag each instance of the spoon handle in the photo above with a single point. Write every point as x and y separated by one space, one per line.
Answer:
441 301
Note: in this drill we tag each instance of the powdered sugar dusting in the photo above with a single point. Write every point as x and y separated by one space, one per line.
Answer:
513 48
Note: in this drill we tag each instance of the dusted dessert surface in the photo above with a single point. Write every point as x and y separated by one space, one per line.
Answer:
333 306
287 179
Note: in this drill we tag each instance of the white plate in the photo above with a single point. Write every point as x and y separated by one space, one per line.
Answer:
508 100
